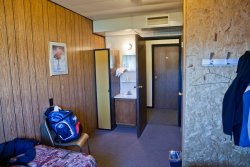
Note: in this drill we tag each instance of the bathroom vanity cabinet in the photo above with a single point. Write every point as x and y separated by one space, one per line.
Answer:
125 111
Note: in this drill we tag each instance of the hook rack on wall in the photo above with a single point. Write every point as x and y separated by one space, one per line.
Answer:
220 62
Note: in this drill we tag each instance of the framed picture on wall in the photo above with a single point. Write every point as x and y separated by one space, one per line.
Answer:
58 58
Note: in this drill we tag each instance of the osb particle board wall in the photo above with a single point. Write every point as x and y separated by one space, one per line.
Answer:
204 143
26 27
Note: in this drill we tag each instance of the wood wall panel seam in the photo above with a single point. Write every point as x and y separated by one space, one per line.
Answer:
70 61
38 39
33 71
61 28
83 67
52 26
66 77
81 78
74 69
46 47
54 35
78 64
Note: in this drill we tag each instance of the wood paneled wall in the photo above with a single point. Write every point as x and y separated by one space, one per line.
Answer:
26 27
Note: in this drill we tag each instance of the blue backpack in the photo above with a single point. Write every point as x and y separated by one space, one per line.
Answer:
64 123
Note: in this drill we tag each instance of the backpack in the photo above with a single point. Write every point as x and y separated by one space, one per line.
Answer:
64 123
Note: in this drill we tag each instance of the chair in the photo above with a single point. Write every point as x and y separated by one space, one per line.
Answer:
48 136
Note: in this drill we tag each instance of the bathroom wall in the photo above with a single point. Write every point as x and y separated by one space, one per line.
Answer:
215 26
122 43
128 82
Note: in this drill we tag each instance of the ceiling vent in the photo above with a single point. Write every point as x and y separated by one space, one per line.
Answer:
158 20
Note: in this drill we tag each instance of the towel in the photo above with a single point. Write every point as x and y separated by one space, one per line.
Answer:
120 71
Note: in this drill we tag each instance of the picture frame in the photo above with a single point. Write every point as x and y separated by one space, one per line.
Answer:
58 58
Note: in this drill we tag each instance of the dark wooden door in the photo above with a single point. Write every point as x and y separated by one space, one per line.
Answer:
166 76
141 86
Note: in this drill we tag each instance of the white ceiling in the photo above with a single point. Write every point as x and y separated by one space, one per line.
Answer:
107 9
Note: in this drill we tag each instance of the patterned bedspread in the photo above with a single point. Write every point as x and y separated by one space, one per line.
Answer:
50 156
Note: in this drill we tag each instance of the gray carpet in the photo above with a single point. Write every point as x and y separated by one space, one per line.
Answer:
163 117
122 148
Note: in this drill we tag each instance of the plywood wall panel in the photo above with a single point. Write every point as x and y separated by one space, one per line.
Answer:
86 88
32 70
26 27
56 85
204 143
80 95
7 107
46 46
21 46
2 136
74 59
10 28
82 78
92 92
39 56
61 36
84 68
85 40
69 24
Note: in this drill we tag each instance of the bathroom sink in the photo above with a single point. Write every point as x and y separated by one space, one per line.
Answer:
125 96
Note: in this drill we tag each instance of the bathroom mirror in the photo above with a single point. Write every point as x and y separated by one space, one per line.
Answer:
129 62
112 61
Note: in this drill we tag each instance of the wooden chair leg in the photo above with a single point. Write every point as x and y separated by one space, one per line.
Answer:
80 149
88 146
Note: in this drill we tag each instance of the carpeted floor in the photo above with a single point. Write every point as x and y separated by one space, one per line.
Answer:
122 148
163 117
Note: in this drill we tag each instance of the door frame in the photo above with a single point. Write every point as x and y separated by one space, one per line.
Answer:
111 111
180 75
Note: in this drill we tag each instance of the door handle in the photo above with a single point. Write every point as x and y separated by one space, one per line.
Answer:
156 77
180 94
140 86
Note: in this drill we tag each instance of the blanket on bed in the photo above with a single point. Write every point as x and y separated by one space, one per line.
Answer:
22 149
49 156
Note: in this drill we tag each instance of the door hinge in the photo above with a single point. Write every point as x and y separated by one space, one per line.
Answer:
182 44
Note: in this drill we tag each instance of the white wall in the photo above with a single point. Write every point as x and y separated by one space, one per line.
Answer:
121 43
135 22
149 65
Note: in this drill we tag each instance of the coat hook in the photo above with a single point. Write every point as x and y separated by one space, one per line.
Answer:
228 56
211 58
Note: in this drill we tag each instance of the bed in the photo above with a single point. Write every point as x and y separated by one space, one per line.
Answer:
49 156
